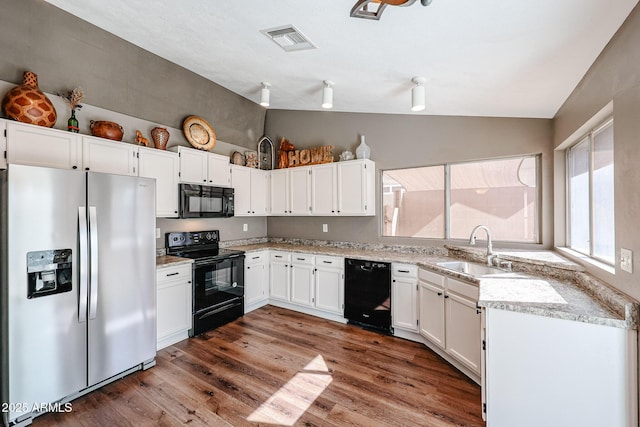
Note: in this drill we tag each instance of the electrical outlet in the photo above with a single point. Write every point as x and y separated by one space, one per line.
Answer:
325 228
245 227
626 260
157 233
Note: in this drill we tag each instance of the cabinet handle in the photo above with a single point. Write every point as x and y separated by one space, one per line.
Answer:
278 256
446 296
328 262
301 259
248 268
439 294
86 169
394 280
255 257
173 274
74 167
403 271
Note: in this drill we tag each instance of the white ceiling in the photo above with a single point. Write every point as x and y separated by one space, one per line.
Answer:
509 58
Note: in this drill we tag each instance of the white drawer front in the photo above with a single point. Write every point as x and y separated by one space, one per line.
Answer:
180 273
404 270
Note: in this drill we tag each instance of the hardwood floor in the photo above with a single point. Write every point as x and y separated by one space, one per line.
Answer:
279 367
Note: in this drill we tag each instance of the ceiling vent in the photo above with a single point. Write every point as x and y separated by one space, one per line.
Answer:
289 38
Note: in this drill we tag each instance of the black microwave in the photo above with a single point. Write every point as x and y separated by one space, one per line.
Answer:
204 201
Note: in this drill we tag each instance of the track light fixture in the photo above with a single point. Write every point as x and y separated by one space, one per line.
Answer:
265 94
327 94
417 94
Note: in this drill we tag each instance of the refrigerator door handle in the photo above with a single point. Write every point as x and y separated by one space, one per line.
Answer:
93 240
83 285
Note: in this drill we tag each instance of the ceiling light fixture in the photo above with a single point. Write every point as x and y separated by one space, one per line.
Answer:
327 94
265 94
417 94
372 9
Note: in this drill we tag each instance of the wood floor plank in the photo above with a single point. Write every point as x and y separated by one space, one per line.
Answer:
278 367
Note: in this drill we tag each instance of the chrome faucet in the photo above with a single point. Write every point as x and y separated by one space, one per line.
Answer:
472 241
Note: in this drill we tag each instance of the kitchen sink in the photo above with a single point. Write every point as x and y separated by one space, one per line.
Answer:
470 268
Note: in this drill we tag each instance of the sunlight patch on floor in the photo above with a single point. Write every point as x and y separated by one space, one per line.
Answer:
293 399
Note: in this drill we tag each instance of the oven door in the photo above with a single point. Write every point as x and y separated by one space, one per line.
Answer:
202 201
218 283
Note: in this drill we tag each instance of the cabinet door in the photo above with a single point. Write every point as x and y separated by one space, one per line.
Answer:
164 167
280 192
279 280
404 304
174 308
218 170
99 155
193 166
259 192
241 182
463 331
300 190
253 283
351 188
330 286
432 313
323 189
302 284
37 146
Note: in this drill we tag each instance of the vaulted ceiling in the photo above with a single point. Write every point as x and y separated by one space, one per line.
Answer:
504 58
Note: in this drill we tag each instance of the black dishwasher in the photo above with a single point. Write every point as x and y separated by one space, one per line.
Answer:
367 294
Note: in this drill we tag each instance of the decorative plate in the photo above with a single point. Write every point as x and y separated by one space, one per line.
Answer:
199 133
237 158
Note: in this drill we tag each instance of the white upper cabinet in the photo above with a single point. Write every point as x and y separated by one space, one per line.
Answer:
102 155
356 187
300 190
251 191
324 189
280 192
163 166
202 167
218 171
38 146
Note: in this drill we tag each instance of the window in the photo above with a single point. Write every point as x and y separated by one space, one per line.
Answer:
590 213
447 201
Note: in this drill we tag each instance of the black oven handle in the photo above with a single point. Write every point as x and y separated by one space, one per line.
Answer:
234 303
203 263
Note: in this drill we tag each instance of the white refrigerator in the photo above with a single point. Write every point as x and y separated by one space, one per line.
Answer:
77 272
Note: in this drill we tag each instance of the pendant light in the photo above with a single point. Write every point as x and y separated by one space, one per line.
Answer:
265 94
327 94
417 94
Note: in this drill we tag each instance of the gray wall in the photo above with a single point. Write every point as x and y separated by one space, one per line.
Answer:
230 228
614 76
67 52
400 141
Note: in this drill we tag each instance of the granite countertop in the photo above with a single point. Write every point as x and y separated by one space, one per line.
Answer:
542 283
170 261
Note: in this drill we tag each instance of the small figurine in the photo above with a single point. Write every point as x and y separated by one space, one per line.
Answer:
141 140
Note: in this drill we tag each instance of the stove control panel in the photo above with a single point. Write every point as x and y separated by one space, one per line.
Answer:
191 238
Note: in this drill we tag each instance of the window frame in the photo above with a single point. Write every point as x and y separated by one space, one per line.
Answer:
588 136
447 198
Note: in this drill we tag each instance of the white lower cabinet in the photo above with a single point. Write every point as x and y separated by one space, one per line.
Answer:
173 313
404 297
302 279
330 284
279 275
256 280
450 318
543 371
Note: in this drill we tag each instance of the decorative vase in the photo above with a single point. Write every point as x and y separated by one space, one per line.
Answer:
160 137
72 123
27 104
363 151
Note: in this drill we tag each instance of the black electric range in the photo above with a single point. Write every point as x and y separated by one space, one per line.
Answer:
218 278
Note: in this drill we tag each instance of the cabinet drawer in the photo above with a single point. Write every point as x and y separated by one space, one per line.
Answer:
181 273
404 270
255 257
462 288
302 259
280 256
329 261
433 278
